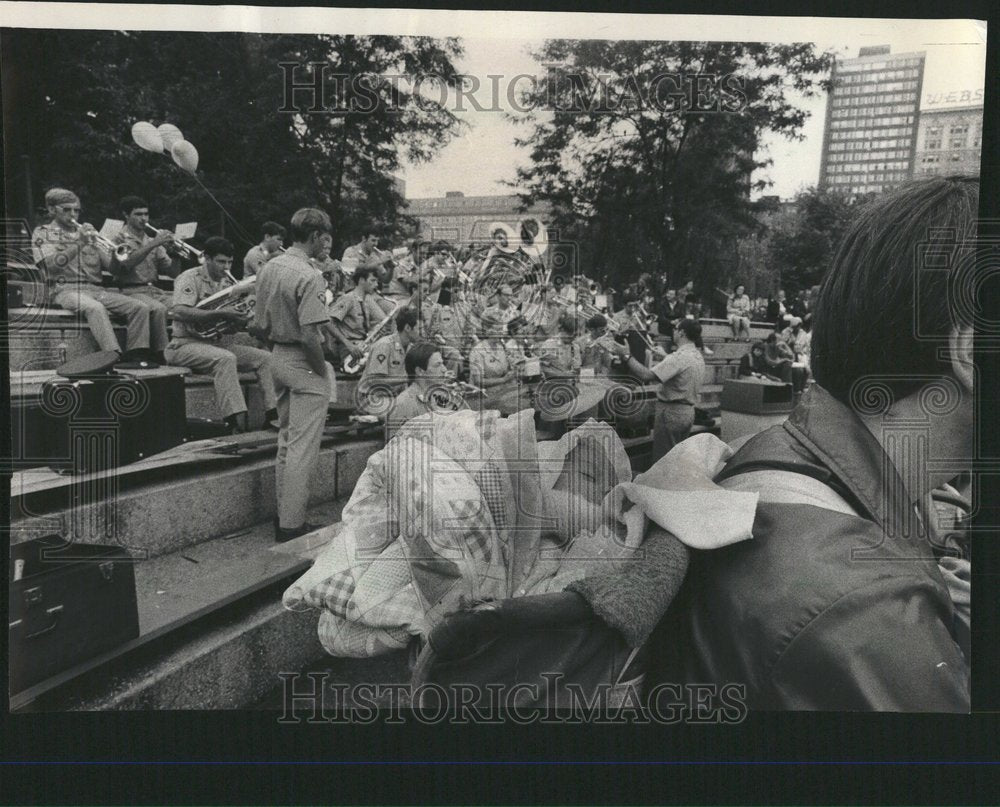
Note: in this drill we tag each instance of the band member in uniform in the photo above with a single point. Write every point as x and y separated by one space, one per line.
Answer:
600 351
503 308
69 255
517 345
435 268
270 245
384 369
223 357
680 375
427 375
431 327
289 316
147 259
406 274
491 370
332 271
356 313
455 321
365 255
560 355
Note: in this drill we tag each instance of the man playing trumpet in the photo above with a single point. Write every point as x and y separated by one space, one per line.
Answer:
222 357
71 255
147 259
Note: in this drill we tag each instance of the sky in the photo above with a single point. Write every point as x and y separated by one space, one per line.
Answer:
485 155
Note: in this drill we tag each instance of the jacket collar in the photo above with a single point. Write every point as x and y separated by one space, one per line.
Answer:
845 446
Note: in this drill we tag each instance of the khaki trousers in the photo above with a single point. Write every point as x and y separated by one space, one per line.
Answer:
303 398
224 360
672 423
157 301
95 303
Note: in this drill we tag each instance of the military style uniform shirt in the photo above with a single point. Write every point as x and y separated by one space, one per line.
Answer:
599 354
190 288
490 358
560 356
357 315
356 258
681 375
50 243
412 403
255 259
146 272
504 315
402 277
386 363
291 295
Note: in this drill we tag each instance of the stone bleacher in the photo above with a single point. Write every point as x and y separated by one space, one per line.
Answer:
213 631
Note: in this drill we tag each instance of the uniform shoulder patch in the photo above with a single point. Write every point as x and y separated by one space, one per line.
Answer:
380 357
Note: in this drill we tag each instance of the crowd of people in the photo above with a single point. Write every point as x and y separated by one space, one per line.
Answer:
791 613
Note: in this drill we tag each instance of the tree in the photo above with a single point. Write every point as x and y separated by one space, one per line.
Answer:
259 157
647 148
802 244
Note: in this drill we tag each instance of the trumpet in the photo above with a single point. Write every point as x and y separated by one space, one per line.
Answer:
120 251
186 250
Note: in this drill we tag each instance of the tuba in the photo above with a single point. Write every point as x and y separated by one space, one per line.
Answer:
238 297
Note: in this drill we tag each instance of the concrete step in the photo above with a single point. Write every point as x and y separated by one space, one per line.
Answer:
710 395
167 508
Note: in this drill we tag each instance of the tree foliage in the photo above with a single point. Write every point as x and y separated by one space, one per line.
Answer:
654 174
77 94
802 245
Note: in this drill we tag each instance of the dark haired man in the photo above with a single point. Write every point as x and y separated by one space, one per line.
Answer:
846 599
270 245
289 316
366 255
222 357
147 259
427 374
560 355
385 370
681 375
353 316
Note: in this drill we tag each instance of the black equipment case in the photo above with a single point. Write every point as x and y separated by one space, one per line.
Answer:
67 603
94 419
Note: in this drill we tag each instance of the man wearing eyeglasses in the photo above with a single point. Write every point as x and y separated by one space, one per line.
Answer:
69 255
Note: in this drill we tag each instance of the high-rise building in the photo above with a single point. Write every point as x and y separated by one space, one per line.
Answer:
949 141
871 121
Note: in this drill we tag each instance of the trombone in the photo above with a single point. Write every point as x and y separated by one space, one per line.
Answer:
186 250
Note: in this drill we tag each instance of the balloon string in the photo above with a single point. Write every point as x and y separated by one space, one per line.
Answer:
236 225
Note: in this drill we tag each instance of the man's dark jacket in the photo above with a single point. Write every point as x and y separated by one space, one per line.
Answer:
820 609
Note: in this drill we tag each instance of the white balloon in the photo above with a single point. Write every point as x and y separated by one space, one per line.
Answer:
147 137
185 155
170 134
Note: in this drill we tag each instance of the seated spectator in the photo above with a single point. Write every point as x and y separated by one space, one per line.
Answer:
844 600
426 391
798 340
738 313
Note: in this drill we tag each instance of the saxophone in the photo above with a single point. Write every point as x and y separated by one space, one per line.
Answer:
352 365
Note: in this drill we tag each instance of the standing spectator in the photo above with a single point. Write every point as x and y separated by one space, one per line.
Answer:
738 313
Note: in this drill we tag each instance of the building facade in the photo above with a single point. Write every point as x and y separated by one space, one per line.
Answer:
462 219
871 121
949 141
